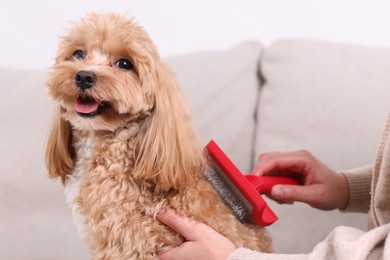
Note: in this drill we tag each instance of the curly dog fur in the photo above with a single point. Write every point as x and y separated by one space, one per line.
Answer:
124 144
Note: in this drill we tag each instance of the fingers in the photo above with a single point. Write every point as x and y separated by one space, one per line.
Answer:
296 163
183 225
170 218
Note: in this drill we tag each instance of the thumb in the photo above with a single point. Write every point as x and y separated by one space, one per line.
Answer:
292 193
170 254
181 224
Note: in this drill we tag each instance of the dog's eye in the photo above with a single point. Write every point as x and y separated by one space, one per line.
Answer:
124 64
78 54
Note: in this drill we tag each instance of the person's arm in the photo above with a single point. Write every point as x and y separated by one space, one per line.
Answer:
322 187
205 243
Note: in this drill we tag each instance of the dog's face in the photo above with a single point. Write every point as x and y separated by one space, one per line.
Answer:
108 75
102 77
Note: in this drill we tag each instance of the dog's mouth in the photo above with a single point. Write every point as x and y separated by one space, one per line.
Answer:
89 107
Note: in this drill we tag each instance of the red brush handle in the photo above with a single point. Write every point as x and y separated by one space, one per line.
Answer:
264 184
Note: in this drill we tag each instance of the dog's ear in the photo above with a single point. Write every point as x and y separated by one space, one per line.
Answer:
59 150
171 152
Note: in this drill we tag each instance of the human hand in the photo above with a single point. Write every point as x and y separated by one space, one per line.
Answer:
322 187
202 242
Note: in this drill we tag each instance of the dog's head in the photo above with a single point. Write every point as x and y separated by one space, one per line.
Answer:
103 72
107 73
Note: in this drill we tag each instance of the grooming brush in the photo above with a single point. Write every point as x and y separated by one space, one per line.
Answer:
241 192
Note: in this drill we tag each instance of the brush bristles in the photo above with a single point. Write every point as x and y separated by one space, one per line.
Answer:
229 194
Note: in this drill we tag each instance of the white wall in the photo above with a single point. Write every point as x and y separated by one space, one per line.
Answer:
29 28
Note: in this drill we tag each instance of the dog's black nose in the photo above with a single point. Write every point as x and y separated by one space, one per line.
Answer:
85 79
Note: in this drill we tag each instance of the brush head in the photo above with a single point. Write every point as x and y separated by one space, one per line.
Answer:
225 189
235 190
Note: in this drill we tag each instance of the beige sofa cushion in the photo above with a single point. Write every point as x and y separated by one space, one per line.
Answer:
331 99
221 89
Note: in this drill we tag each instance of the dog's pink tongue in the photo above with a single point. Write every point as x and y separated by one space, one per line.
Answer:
86 107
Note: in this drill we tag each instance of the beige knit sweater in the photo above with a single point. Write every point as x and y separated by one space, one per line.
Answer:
346 242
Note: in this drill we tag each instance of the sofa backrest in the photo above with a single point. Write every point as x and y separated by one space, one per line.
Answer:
222 90
331 99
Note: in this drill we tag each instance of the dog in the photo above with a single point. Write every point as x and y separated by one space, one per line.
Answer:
124 145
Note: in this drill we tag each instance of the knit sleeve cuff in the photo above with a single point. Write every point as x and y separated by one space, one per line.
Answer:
242 253
359 184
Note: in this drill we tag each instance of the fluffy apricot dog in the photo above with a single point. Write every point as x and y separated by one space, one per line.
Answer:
124 145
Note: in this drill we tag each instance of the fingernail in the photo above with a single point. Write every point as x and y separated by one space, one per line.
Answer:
278 191
161 211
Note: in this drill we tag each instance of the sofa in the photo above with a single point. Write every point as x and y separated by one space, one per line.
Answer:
331 99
